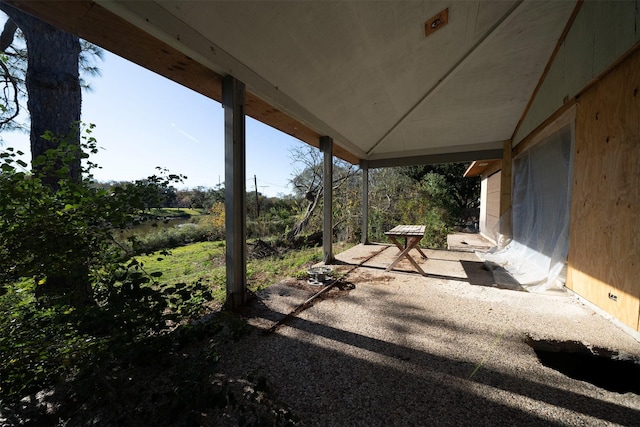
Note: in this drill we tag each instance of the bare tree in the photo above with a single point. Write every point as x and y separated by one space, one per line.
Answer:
308 183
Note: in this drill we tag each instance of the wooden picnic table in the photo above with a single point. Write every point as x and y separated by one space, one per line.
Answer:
412 235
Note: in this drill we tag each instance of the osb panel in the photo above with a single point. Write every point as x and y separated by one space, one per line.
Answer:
604 251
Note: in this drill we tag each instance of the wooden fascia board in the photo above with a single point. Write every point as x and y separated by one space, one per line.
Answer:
472 170
97 25
482 168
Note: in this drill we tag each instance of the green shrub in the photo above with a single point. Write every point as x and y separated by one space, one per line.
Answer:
41 346
77 301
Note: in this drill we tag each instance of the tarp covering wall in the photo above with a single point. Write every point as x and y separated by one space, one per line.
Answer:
537 255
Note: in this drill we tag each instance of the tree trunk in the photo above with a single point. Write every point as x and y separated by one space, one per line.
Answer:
54 103
53 83
296 231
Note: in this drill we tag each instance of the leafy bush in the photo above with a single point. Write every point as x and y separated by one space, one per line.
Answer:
38 345
61 234
41 345
65 296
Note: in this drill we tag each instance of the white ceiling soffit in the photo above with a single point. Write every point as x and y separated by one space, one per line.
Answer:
364 73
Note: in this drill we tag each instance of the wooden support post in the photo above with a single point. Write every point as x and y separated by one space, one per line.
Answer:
364 166
506 222
326 145
233 99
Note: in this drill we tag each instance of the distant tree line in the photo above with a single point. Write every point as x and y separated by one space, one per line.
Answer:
437 196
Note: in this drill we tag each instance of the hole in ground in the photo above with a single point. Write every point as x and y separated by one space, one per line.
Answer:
599 366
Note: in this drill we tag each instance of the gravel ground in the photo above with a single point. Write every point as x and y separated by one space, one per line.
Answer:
448 348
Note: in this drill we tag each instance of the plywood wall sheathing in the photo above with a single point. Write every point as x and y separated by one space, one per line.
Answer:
604 251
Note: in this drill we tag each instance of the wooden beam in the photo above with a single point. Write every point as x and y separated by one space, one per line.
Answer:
483 168
96 24
506 224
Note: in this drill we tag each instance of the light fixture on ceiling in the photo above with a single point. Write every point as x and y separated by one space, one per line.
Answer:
436 22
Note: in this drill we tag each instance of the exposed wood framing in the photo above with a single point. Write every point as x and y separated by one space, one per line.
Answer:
604 249
483 168
492 168
612 67
506 224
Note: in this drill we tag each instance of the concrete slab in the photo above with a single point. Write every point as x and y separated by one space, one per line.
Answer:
468 242
399 348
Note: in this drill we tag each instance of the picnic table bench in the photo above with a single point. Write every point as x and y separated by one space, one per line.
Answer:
412 234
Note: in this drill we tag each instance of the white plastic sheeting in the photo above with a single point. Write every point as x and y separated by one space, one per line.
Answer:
541 195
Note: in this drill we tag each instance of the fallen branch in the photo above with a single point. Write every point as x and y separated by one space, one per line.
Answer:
308 302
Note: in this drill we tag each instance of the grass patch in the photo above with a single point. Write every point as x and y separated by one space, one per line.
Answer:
205 262
199 262
169 212
142 330
262 273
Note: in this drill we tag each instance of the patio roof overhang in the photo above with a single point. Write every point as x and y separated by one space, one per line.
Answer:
373 76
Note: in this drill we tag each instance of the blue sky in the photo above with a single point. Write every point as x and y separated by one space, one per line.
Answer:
144 120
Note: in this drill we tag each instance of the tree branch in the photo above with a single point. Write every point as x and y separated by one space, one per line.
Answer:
8 33
9 79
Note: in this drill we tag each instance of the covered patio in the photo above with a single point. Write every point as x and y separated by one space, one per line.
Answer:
406 83
384 84
447 348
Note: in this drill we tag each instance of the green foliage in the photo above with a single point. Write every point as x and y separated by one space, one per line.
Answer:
67 228
200 197
446 186
264 272
437 196
37 345
177 212
169 238
43 345
204 263
200 264
13 70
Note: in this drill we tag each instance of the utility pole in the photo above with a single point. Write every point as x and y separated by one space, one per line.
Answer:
255 183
